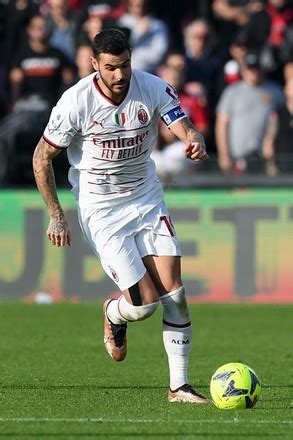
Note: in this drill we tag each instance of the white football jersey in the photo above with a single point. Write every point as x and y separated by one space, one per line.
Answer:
109 145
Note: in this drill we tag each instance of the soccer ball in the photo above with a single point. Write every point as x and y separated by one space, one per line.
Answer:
235 386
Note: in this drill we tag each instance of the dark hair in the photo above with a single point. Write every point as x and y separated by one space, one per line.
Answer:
174 52
145 7
111 41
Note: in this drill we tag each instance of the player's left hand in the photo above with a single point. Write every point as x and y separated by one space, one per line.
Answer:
196 151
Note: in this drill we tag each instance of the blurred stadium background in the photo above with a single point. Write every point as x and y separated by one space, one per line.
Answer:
233 214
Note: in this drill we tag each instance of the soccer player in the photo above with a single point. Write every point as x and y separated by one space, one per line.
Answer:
108 123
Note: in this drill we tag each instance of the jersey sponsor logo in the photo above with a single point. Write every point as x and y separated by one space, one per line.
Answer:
121 148
142 116
173 115
120 119
120 142
126 153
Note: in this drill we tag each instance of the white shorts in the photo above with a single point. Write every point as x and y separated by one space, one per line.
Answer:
123 234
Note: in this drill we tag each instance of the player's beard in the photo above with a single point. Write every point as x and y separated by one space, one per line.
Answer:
115 91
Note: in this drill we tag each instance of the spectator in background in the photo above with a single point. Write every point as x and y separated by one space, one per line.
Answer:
17 16
288 71
228 18
61 27
149 36
106 10
3 61
89 29
280 41
242 119
38 76
257 26
168 155
247 16
281 14
231 10
95 16
175 59
83 62
38 69
278 147
176 14
75 5
265 24
173 72
231 69
204 62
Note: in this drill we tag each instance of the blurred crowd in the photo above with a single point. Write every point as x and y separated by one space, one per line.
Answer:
231 62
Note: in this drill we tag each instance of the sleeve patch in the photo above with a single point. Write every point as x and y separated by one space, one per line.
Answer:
173 115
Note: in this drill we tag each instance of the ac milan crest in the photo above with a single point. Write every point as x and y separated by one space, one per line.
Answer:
114 274
142 116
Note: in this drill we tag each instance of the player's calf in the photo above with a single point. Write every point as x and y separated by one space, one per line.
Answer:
177 342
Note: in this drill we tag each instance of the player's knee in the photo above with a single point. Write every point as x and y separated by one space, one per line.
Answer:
175 307
136 313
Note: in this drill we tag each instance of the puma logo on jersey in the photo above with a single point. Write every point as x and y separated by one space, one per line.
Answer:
101 123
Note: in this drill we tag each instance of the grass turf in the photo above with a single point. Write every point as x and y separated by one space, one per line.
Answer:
57 381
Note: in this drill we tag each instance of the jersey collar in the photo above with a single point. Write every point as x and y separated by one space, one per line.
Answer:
98 88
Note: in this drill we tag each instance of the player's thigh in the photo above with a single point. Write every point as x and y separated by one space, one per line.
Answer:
159 247
142 292
116 248
165 272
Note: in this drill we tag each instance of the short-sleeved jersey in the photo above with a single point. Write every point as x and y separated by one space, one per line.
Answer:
109 145
248 106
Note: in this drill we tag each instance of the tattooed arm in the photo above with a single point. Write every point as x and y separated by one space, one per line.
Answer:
195 148
58 231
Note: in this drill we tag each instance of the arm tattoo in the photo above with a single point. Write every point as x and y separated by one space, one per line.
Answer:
45 179
57 228
190 132
186 132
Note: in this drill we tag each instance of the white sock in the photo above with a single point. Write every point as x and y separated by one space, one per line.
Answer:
176 336
177 345
114 314
120 311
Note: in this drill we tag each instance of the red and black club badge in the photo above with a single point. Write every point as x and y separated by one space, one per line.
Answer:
114 274
142 116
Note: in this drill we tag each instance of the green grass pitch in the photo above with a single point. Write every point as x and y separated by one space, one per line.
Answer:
57 381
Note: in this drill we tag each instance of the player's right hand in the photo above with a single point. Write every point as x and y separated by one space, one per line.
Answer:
59 232
196 151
